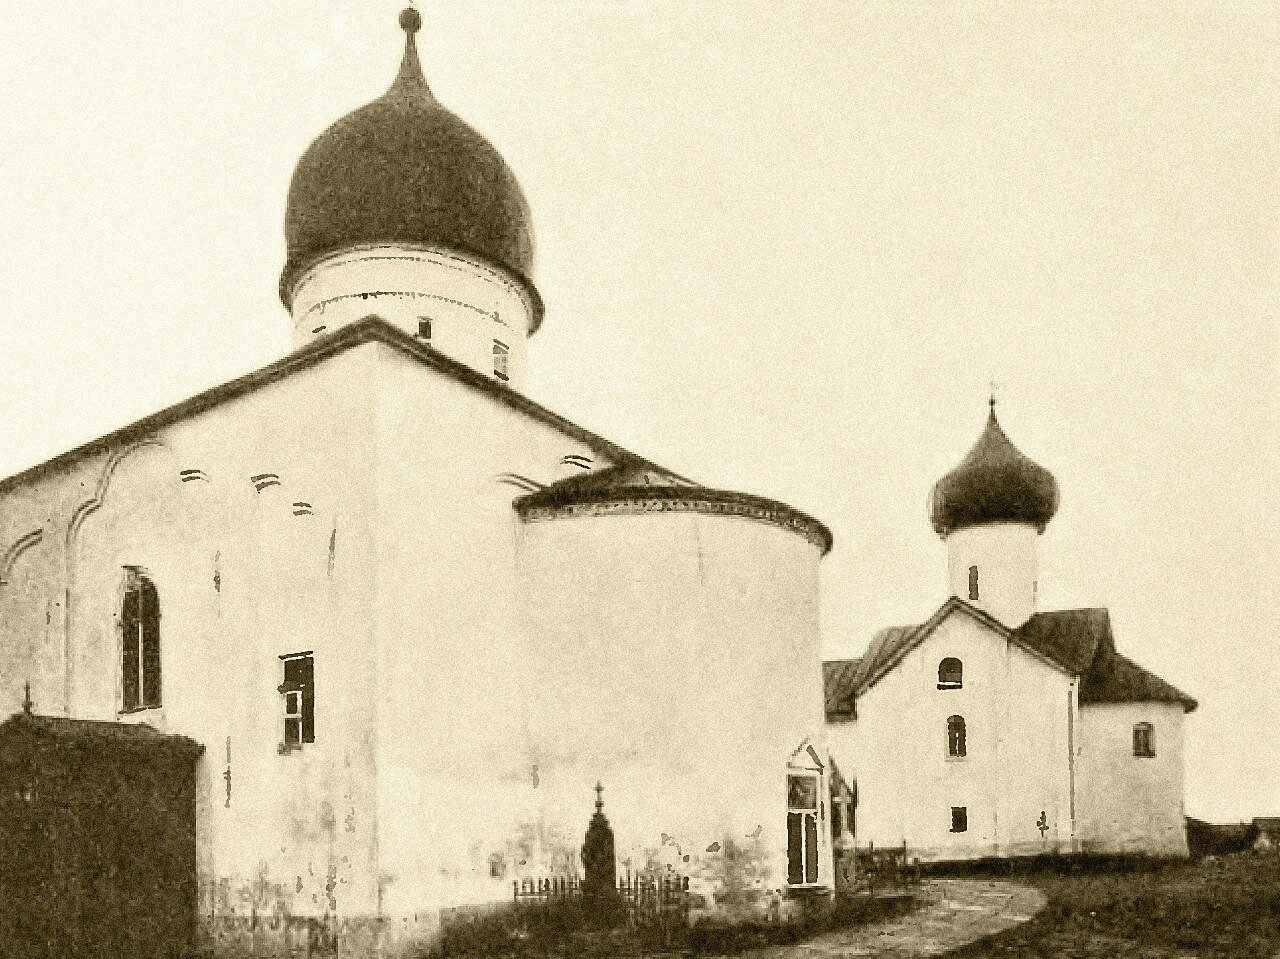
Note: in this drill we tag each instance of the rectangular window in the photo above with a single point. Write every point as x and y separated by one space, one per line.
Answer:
973 582
424 328
501 360
802 830
298 690
1144 740
959 818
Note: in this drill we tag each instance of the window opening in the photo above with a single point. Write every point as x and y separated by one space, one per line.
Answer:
802 830
950 673
1144 740
973 582
956 736
501 360
140 647
959 818
298 691
424 328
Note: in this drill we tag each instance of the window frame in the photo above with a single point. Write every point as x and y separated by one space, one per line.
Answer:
960 817
501 360
804 843
297 698
957 737
1144 740
139 660
957 683
425 323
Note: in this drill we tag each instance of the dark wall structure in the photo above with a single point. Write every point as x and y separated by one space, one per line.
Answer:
97 840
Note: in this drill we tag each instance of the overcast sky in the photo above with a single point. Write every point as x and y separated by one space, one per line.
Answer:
784 248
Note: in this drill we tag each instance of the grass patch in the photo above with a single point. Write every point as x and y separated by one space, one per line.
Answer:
1222 908
565 930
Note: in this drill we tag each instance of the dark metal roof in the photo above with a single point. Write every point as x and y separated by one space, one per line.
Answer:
639 484
994 483
1118 679
369 329
1079 641
405 169
94 731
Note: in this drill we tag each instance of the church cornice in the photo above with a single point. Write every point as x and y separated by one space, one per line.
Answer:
632 501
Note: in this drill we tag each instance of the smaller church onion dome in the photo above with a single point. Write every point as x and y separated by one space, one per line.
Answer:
405 169
994 483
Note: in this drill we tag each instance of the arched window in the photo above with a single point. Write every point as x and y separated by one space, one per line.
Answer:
1144 740
973 582
140 647
950 673
956 745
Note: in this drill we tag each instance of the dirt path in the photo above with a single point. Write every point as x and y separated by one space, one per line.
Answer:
958 912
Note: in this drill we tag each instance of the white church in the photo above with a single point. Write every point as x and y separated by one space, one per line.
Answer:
994 728
408 618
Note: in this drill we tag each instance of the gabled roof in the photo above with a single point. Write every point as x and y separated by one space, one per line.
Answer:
1076 641
369 329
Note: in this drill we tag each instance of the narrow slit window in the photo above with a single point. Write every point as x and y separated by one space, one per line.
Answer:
501 360
140 645
299 700
959 818
950 673
973 582
1144 740
957 735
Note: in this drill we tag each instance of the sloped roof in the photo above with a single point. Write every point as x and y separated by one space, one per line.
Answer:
837 684
98 732
631 486
370 328
1078 641
1071 637
1118 679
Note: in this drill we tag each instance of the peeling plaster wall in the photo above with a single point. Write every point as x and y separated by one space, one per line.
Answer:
1129 803
1019 714
675 657
457 782
241 579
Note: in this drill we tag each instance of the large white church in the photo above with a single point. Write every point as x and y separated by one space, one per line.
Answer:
412 617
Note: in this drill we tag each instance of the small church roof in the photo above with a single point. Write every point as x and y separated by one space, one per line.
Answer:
1119 679
97 732
994 483
406 169
1078 641
641 486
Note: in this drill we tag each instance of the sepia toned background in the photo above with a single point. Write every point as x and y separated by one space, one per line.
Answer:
784 248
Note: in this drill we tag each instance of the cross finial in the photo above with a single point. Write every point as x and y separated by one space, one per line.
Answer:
27 704
599 796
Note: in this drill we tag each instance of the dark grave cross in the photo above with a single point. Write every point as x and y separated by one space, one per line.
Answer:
1043 824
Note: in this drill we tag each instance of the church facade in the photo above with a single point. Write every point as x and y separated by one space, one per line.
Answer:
995 729
411 617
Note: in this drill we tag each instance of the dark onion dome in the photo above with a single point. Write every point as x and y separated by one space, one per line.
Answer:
994 483
405 169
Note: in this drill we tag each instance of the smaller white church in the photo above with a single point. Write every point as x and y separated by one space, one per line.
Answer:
994 728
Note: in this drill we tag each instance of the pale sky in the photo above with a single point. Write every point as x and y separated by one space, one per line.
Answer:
784 248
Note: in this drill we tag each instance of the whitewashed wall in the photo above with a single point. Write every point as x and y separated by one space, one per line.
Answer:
676 657
241 580
1017 711
1127 803
1007 557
